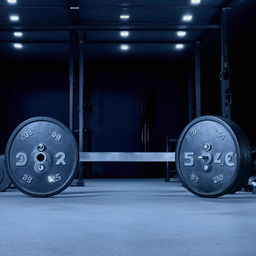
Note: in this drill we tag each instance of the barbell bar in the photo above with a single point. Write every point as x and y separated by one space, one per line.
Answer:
212 157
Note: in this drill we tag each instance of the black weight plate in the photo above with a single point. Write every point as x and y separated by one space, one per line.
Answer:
5 181
41 157
212 156
245 149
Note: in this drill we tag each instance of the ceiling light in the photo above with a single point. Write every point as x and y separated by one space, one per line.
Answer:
14 18
195 1
124 47
124 33
18 34
179 46
74 7
187 17
17 46
124 17
12 1
181 33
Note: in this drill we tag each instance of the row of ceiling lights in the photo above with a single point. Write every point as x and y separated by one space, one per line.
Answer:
124 17
15 18
188 17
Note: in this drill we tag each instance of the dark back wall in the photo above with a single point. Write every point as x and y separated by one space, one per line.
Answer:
31 89
115 92
116 118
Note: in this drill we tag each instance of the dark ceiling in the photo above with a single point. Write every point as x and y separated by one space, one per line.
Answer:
152 26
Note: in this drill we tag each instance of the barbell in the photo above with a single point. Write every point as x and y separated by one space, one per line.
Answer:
213 157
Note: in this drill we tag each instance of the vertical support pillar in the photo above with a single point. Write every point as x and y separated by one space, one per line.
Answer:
81 108
226 95
71 81
190 95
198 79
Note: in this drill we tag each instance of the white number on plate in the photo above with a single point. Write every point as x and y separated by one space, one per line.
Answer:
26 134
56 136
60 158
22 159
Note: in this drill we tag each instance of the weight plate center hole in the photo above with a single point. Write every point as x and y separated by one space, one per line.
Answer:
40 157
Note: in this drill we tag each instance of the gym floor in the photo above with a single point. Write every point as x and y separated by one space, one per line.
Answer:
127 217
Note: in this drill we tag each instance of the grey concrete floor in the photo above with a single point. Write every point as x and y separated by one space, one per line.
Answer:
127 217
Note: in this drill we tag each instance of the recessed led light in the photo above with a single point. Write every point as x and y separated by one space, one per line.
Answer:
14 18
18 46
124 47
74 7
179 46
181 33
124 33
195 1
124 16
187 17
12 1
18 34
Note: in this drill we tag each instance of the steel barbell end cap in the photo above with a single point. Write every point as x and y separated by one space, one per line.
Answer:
203 157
